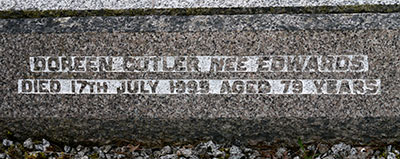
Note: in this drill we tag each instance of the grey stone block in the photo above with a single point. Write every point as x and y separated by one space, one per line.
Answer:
358 114
145 4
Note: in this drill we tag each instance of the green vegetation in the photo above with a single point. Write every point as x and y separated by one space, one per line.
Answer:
14 152
94 156
306 154
39 155
201 11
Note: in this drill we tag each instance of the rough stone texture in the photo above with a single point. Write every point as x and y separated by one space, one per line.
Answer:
212 23
129 4
187 118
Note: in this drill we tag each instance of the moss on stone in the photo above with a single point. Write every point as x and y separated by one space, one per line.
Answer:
94 156
201 11
39 155
14 152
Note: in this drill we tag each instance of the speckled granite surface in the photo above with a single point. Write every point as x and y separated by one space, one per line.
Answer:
189 118
128 4
210 23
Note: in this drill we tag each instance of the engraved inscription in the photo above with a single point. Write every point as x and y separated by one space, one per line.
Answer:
212 64
195 86
286 63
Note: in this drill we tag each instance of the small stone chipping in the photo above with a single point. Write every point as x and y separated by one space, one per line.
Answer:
43 149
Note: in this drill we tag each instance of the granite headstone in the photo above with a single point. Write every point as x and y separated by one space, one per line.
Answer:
156 79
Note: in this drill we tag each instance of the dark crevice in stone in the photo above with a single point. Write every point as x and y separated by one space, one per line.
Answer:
202 11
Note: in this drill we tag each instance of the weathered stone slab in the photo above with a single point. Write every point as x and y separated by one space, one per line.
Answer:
146 4
247 78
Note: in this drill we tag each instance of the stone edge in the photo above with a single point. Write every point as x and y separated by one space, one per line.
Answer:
202 23
145 4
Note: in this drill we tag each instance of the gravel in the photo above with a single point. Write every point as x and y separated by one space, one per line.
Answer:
184 152
7 142
280 153
28 143
341 149
44 149
391 155
67 149
166 150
